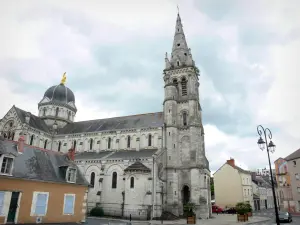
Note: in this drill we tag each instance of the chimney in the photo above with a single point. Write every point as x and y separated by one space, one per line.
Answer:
231 162
21 143
71 154
27 117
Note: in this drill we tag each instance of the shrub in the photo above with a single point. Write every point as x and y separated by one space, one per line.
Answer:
189 209
242 208
97 211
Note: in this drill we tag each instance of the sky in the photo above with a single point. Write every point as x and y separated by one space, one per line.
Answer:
113 53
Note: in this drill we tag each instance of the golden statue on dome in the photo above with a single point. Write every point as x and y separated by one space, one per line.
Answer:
64 78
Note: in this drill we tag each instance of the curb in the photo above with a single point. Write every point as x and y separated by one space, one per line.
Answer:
261 221
121 220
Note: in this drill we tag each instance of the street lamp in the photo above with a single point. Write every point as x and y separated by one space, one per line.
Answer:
270 147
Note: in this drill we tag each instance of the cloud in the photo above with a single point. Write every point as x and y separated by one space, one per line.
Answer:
113 53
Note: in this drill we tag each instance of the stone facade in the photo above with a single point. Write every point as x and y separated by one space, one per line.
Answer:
137 165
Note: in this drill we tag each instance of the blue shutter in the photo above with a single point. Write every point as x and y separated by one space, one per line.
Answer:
69 204
1 202
41 204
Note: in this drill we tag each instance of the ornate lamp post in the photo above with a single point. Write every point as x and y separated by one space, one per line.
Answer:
270 147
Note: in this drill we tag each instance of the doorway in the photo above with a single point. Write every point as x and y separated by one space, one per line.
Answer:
185 194
13 207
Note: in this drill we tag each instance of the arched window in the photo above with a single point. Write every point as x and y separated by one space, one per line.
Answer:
92 180
45 144
109 143
184 118
8 135
13 136
149 139
31 140
178 63
132 182
59 146
44 113
74 144
56 113
69 115
11 124
114 180
184 86
91 144
128 141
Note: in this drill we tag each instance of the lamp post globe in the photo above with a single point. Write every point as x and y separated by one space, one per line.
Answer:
272 146
261 143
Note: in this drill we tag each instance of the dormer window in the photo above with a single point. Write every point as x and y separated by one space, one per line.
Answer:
6 165
71 175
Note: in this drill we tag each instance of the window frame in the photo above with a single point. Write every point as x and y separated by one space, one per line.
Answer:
112 180
149 140
74 201
128 141
34 201
132 182
92 184
2 203
109 143
11 166
67 175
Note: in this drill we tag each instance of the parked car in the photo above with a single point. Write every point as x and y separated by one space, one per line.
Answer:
217 209
230 211
285 217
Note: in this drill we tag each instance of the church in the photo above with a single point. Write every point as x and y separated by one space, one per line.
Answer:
138 165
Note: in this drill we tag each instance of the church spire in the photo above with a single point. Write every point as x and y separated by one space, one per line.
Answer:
181 54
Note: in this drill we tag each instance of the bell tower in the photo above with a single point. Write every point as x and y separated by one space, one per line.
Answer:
187 168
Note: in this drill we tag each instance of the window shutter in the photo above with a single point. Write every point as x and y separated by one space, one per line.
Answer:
1 202
41 204
69 204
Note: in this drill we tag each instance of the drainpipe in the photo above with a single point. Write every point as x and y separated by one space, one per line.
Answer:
153 186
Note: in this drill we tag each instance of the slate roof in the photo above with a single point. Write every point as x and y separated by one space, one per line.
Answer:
34 122
40 164
137 166
239 169
122 154
294 155
116 123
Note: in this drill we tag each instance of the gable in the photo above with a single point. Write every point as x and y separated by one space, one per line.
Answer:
10 117
34 122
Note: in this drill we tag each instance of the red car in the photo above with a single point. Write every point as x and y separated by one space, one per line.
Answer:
217 209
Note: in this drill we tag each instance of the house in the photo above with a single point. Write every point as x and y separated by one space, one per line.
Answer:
232 185
262 192
283 180
293 165
38 185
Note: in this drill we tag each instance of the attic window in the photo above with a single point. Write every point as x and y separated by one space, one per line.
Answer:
6 165
71 175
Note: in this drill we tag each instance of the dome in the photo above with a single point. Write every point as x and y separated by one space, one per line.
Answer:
60 94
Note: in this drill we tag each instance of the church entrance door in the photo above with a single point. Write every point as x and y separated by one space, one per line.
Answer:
185 193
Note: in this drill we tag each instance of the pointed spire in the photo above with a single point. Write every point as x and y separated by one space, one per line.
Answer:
181 55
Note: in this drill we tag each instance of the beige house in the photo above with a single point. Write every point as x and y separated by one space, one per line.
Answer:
232 185
293 161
